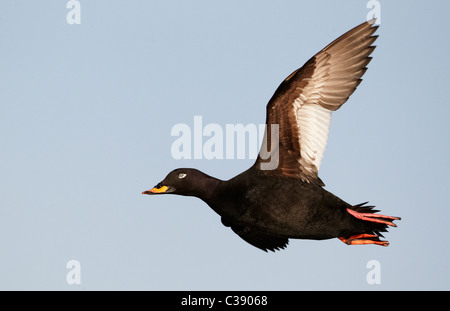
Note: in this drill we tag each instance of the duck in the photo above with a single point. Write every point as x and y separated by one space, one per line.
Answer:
281 196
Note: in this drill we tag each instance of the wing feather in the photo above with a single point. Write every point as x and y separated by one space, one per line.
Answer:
302 104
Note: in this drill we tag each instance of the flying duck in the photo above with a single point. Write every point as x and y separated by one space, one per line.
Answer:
281 196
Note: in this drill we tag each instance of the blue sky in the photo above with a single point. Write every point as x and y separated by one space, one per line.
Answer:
86 113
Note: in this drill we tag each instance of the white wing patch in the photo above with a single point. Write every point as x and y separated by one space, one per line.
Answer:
313 122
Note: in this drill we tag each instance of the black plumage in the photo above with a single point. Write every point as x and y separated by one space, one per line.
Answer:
268 206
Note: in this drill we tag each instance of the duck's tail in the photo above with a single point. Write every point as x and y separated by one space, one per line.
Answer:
376 224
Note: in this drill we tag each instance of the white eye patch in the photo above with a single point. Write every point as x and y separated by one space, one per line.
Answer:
181 175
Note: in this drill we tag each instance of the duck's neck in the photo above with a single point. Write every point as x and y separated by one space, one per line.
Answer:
206 188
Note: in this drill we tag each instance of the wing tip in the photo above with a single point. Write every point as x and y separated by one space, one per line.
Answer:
372 22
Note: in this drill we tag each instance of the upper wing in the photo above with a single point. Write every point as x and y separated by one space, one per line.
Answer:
302 105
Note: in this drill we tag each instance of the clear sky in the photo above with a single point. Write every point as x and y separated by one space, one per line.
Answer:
86 113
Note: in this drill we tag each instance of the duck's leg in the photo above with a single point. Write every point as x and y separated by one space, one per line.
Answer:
366 213
362 239
383 219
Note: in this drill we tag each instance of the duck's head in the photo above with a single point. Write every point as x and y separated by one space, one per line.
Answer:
185 181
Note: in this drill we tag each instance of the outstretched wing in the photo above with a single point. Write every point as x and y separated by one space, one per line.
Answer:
302 105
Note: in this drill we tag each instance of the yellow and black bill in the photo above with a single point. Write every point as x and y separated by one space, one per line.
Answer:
159 189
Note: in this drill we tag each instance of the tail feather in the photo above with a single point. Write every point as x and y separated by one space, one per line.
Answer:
363 208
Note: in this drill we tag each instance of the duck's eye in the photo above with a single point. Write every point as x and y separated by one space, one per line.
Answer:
181 175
